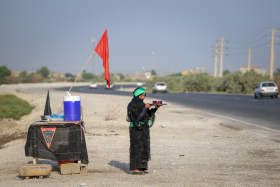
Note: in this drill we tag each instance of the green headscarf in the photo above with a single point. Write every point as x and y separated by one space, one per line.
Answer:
139 91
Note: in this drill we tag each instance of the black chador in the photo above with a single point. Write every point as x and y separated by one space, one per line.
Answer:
140 121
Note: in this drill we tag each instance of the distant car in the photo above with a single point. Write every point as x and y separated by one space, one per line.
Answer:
139 84
93 85
160 87
266 89
111 86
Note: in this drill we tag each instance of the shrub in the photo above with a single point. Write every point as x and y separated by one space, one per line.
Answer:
112 109
13 107
231 83
200 82
4 72
44 71
37 78
89 76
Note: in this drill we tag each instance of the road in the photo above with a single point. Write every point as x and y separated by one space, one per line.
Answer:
263 112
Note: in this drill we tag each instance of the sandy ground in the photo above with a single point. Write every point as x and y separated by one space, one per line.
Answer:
189 147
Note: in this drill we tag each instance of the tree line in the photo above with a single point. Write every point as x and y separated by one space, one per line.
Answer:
236 82
45 75
24 76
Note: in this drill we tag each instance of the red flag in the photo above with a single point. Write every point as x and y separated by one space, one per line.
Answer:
102 49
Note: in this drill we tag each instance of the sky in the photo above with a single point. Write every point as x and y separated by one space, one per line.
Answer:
143 35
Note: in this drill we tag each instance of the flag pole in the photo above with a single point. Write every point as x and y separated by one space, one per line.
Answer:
77 77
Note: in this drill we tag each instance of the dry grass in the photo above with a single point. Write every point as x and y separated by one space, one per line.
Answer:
12 107
112 109
6 138
11 132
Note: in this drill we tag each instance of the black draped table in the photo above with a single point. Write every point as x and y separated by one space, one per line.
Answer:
58 141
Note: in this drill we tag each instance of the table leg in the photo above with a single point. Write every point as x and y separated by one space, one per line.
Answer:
35 160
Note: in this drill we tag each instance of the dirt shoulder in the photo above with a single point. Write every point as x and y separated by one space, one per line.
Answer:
189 147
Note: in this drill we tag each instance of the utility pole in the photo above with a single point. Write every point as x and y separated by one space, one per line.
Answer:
153 60
249 59
272 52
93 42
221 55
216 56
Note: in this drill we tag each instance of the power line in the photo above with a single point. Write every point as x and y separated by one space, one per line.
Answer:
262 45
246 46
260 51
251 36
246 42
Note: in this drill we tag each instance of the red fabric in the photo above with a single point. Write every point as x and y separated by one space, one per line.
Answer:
102 49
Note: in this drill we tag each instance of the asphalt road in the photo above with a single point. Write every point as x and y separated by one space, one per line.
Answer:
263 112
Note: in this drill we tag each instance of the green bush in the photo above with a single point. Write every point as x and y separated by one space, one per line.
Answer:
200 82
4 72
13 107
44 71
235 82
239 83
89 76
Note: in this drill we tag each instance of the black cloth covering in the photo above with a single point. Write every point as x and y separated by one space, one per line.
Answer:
139 135
68 143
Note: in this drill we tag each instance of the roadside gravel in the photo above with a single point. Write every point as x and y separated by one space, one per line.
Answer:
189 148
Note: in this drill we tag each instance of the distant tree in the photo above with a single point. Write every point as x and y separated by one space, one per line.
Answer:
89 76
22 74
225 72
153 72
176 74
28 78
68 75
277 73
4 72
44 71
37 78
199 82
121 76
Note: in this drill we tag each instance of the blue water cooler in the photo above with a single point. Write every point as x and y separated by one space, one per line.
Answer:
72 108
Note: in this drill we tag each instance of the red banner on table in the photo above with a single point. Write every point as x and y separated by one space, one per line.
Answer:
48 134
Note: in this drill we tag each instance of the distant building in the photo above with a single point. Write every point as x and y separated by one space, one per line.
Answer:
146 75
170 72
115 76
15 74
199 70
244 69
58 75
187 72
195 70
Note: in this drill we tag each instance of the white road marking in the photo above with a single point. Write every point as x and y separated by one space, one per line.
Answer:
266 128
254 101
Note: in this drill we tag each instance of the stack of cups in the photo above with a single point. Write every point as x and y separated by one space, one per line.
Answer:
157 102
